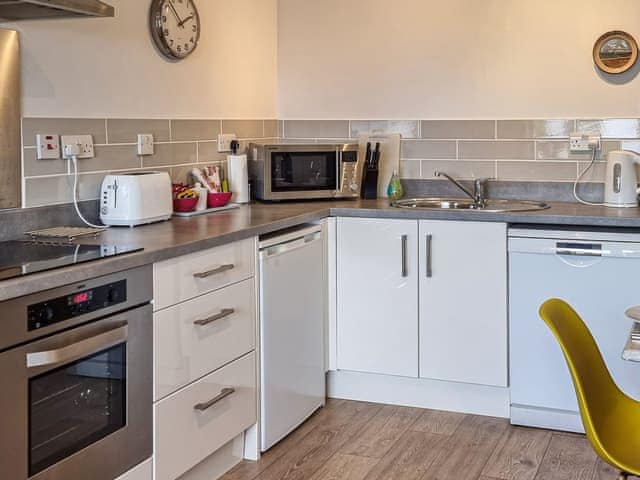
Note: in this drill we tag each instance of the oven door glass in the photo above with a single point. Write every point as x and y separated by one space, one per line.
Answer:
303 171
76 405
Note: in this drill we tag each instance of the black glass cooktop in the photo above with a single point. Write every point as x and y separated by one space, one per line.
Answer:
19 258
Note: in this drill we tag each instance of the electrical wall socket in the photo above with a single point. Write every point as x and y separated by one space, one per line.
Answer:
85 142
145 144
48 145
584 142
224 141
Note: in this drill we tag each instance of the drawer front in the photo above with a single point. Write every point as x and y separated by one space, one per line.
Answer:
195 422
199 336
189 276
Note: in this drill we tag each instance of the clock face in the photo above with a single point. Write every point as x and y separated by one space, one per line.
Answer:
175 27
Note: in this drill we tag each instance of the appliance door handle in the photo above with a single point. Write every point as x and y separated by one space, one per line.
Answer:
429 257
79 349
224 393
405 271
224 313
214 271
579 249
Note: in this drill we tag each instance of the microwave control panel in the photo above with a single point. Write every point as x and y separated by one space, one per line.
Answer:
351 173
59 309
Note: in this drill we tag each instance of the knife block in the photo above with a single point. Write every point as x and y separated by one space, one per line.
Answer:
369 183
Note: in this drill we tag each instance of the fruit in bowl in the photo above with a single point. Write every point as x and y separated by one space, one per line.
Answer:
185 199
216 200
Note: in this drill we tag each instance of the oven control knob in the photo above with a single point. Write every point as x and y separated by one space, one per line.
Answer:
354 187
48 314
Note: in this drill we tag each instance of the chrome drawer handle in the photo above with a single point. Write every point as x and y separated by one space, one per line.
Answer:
201 407
215 271
224 313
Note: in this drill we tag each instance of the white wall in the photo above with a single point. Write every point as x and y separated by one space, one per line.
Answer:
451 59
109 67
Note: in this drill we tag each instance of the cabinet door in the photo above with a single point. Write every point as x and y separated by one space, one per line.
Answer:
463 302
377 324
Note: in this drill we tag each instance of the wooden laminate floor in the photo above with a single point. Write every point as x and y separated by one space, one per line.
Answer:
349 440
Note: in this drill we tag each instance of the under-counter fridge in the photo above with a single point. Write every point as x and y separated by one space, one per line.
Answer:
291 330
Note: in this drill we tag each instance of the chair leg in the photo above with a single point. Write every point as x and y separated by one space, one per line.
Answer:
623 476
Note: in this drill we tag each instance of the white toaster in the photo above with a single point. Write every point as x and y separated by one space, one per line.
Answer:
136 199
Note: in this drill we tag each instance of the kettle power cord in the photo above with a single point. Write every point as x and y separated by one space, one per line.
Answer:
594 149
71 152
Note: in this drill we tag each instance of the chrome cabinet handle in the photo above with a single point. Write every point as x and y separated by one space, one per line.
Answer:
224 313
405 272
429 248
201 407
79 349
214 271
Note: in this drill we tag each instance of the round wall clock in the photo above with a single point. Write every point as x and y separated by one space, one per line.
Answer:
175 27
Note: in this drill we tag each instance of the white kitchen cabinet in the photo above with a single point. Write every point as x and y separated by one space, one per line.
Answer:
377 296
144 471
463 302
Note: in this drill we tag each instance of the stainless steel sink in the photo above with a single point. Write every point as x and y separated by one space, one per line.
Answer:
495 206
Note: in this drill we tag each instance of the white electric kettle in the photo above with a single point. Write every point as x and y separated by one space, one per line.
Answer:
621 184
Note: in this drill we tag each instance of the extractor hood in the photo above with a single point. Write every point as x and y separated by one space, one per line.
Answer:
32 9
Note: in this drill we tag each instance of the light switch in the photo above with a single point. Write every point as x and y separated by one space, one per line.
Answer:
48 145
145 144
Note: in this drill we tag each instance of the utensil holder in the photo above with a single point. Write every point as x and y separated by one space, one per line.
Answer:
370 183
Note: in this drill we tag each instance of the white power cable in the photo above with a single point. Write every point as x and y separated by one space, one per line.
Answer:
74 161
582 174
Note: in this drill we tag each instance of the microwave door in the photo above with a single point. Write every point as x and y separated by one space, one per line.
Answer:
299 174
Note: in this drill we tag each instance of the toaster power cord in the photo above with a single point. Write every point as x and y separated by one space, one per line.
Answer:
74 162
582 174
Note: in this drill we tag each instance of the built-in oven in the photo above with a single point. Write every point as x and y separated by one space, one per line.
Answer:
304 171
77 365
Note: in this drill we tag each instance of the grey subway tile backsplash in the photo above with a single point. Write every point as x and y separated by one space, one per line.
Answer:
406 128
191 130
316 129
515 129
459 169
559 150
537 171
167 154
111 157
271 128
34 167
63 126
427 149
611 128
496 150
244 128
127 130
458 129
510 150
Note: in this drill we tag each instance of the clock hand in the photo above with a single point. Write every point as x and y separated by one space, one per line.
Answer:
190 17
175 12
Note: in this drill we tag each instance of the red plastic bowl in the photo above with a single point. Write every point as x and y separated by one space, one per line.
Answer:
215 200
184 204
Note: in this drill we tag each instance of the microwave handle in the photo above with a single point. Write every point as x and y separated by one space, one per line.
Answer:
78 350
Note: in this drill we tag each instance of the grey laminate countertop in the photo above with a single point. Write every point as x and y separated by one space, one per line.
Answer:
181 236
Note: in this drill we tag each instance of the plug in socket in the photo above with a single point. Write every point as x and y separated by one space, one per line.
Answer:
84 142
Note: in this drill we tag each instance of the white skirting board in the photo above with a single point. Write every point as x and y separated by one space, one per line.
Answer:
419 392
548 418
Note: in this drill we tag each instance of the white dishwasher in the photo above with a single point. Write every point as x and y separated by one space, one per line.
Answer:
597 273
291 330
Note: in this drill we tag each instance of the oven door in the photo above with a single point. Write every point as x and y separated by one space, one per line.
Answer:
302 173
79 404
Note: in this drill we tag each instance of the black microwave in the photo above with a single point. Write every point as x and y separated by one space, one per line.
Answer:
304 171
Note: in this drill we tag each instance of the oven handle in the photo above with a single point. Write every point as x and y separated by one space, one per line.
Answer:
79 349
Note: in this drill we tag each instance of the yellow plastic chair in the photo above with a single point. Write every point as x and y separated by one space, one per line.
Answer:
611 418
